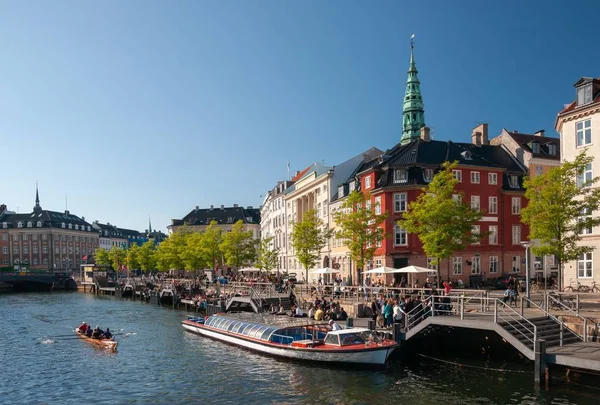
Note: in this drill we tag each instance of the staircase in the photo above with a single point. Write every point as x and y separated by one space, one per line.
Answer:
555 334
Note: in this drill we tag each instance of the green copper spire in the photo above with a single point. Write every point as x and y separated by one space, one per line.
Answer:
413 112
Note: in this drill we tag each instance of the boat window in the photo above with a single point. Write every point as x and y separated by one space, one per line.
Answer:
237 327
332 340
226 324
352 339
218 323
266 335
233 325
244 327
209 321
250 331
258 332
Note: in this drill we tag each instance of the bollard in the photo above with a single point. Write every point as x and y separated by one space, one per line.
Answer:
349 322
371 324
540 361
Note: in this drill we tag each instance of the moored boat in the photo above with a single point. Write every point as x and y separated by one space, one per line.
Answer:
295 338
108 344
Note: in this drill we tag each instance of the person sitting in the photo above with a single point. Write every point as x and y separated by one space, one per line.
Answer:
97 334
89 332
107 334
343 315
334 325
83 327
319 314
298 313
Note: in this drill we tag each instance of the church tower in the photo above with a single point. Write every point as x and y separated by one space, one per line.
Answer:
37 209
413 112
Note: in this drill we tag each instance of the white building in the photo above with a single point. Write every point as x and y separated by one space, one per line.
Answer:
273 222
579 127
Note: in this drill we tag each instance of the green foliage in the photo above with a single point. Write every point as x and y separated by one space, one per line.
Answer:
442 224
169 254
266 257
211 241
146 256
117 256
133 257
360 228
554 210
101 257
308 237
193 252
238 246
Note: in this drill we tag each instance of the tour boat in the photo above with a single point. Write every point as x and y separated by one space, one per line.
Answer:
294 338
108 344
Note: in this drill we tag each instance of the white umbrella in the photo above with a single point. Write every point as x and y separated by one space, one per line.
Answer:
381 270
412 269
249 269
325 270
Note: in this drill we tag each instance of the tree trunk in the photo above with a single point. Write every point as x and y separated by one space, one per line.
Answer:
560 276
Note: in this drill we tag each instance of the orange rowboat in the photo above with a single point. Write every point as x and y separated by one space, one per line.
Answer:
108 344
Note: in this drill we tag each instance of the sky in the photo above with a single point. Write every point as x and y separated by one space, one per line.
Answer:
142 108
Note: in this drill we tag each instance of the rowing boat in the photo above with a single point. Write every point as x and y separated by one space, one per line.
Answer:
108 344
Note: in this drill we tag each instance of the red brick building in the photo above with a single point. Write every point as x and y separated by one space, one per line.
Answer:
489 178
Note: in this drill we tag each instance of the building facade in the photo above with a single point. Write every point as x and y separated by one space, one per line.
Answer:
45 240
198 219
579 127
273 222
110 237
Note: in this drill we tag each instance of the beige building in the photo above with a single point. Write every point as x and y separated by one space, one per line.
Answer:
199 218
579 127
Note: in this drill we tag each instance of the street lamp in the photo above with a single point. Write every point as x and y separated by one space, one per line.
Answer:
527 245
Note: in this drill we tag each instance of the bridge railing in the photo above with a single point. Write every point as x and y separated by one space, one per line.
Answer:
551 302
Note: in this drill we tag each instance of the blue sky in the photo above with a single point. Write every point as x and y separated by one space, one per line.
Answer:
149 108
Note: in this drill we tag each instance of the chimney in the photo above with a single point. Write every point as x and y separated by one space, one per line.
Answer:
67 212
297 173
222 207
197 207
479 136
2 208
249 207
235 205
212 207
425 134
540 133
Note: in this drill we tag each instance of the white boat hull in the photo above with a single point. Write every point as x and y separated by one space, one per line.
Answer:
374 356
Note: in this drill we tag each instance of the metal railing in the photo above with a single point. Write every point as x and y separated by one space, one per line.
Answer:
554 302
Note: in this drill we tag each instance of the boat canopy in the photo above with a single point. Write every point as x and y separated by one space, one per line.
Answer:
241 327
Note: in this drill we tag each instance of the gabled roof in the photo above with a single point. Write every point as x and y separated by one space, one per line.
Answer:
525 142
225 215
49 219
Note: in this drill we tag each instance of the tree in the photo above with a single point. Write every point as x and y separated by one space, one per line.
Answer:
238 246
442 222
169 252
212 240
133 257
117 256
267 258
360 227
146 256
308 237
101 257
559 209
193 254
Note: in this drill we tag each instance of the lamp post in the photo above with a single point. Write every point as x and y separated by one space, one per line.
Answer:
527 245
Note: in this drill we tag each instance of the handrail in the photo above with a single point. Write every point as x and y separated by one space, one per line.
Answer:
518 319
585 320
555 319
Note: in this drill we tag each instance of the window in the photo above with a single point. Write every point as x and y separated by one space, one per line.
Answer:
457 198
475 202
378 263
15 250
4 250
45 261
35 249
400 175
457 266
584 94
4 236
516 264
539 170
457 175
492 178
20 225
377 205
399 202
35 261
44 249
5 262
584 178
432 267
552 149
492 205
351 186
475 177
45 237
475 231
325 209
535 147
584 132
493 264
427 175
585 229
516 234
493 234
368 182
319 209
476 265
584 266
29 224
513 181
400 236
25 237
4 225
340 192
516 205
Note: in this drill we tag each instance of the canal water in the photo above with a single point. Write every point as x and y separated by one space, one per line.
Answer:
159 363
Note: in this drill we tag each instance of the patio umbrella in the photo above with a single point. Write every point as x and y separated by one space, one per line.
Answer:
325 270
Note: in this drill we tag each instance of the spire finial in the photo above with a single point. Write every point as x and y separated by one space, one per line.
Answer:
413 117
37 207
149 225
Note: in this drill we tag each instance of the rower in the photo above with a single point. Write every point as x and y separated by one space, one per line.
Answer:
97 332
83 327
107 334
89 332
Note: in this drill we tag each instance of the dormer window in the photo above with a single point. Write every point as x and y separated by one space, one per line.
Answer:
88 228
62 225
466 155
29 224
20 224
552 149
535 147
513 181
584 94
70 226
400 175
76 227
39 224
352 186
427 175
248 219
340 191
4 225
